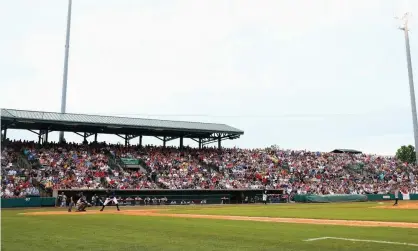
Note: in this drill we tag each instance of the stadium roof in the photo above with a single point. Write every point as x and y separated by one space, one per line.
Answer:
38 120
346 151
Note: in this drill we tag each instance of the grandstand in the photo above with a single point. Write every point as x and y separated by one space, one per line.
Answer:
42 123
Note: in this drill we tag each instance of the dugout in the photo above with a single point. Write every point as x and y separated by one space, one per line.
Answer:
233 196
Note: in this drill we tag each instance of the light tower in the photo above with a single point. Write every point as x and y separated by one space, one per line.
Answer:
404 27
65 75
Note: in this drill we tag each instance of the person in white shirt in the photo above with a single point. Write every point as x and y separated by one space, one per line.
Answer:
265 197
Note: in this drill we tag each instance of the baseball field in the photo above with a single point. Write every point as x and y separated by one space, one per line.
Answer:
344 226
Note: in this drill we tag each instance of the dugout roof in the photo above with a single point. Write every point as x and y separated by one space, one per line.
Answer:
70 122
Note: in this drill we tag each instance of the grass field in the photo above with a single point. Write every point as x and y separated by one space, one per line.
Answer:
120 231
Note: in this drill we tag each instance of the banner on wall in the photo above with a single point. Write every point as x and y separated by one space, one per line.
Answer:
129 161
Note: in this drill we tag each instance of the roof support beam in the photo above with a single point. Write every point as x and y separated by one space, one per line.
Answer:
37 133
89 134
79 134
46 137
39 137
6 124
4 134
129 137
208 141
218 137
171 138
199 141
195 140
85 134
120 136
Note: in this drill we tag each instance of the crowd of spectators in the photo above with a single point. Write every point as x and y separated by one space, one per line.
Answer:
15 182
72 166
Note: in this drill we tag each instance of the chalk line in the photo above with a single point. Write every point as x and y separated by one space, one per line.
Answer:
317 239
361 240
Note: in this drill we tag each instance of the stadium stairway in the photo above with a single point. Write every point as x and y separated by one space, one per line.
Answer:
142 169
112 162
209 166
22 162
354 169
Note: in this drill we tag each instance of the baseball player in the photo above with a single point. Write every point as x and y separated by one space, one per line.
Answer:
396 193
110 196
81 203
265 197
70 207
63 200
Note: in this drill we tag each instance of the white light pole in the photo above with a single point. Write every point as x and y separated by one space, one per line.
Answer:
404 27
65 75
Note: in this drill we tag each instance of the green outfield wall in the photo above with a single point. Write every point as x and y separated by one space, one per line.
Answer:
380 197
28 202
311 198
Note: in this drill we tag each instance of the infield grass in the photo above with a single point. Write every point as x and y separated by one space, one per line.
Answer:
124 232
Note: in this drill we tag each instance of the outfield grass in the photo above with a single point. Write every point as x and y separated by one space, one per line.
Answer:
124 232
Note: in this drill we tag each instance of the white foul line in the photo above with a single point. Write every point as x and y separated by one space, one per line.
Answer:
359 240
317 239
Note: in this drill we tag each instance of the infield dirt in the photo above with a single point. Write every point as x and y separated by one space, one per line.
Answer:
410 205
162 213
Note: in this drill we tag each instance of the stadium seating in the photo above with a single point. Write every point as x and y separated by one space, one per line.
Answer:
100 166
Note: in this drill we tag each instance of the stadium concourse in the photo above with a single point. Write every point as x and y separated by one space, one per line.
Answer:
29 168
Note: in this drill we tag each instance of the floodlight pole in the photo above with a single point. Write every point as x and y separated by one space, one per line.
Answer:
65 75
411 81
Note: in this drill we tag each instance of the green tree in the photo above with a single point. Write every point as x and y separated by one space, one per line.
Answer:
406 154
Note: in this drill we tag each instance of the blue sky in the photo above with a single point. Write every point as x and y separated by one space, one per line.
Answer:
314 75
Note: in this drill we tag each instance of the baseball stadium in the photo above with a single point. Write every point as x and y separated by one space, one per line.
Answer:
307 75
135 197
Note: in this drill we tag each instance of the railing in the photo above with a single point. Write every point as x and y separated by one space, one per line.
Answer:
23 162
357 168
43 191
120 163
112 161
144 165
210 166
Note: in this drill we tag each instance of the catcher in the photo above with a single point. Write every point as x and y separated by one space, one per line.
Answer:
81 204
